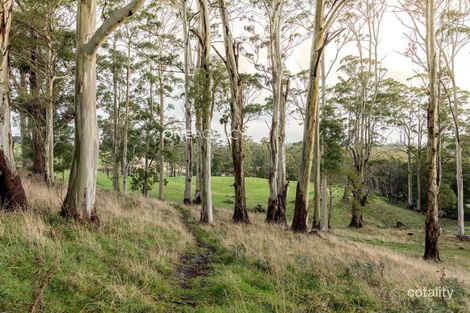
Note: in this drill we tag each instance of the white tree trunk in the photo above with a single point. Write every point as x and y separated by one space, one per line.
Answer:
299 223
79 202
324 204
276 73
126 117
162 139
206 115
187 107
116 113
49 142
410 175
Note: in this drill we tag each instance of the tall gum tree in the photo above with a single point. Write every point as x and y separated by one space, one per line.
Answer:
321 27
79 202
204 108
12 195
276 72
187 106
240 213
454 36
432 228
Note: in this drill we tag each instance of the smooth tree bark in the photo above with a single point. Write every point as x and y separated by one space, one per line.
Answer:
125 162
187 107
205 108
49 141
372 12
322 25
456 38
459 169
325 215
12 195
116 113
197 194
148 138
240 214
282 183
458 163
37 111
419 156
432 227
161 181
276 73
409 198
24 121
321 218
79 202
317 178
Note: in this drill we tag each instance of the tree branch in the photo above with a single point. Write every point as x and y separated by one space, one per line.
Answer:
110 24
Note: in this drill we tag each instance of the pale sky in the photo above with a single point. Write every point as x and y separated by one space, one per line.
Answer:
393 43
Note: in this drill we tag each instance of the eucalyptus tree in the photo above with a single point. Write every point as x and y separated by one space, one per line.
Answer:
110 96
204 109
58 42
42 42
130 32
453 36
161 51
422 38
231 61
12 195
275 28
369 16
432 229
322 26
79 202
332 137
404 118
363 118
188 70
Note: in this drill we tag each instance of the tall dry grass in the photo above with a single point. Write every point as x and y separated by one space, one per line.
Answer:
332 255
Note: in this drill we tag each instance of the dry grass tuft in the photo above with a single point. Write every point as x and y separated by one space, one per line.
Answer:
330 255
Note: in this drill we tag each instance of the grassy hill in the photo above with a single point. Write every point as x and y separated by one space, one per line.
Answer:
148 256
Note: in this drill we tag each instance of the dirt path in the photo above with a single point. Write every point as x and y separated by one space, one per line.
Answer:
195 262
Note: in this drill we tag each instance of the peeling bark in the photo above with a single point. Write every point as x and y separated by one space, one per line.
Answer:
299 223
432 227
240 214
12 195
276 73
205 108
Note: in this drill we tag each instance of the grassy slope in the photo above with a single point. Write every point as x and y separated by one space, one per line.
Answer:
130 264
126 265
257 190
380 217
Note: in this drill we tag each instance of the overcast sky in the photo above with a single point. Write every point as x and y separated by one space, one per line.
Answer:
392 43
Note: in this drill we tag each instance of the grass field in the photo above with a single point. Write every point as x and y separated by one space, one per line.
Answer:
379 216
137 260
257 190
